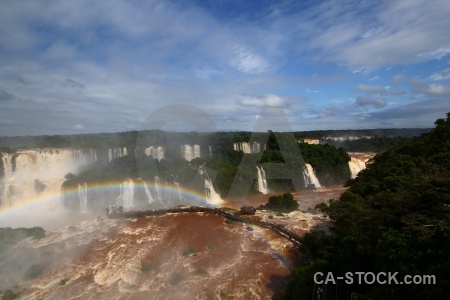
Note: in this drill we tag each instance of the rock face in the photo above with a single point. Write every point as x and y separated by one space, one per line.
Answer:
182 256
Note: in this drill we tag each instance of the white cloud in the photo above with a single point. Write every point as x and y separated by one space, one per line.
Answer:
441 75
248 62
436 54
398 78
398 92
376 34
265 100
431 89
124 60
364 71
368 101
374 78
78 127
371 89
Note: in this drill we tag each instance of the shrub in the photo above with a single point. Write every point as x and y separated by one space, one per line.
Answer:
175 278
63 281
148 267
189 250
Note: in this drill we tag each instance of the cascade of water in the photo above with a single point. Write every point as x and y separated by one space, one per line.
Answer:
119 199
180 196
356 165
247 148
186 152
48 167
210 192
159 153
82 196
158 191
310 177
262 182
149 151
128 193
7 165
196 151
210 151
256 147
116 153
189 152
155 152
147 193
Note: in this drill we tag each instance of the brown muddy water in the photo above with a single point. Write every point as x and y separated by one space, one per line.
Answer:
174 256
183 256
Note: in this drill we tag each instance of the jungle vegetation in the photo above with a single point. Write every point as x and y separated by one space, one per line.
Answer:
394 217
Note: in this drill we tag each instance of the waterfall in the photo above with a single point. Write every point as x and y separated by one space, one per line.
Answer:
310 177
116 153
7 164
82 196
196 151
186 152
189 152
149 151
210 151
158 191
262 182
256 147
159 153
46 166
119 200
180 196
147 193
127 193
247 148
210 192
356 165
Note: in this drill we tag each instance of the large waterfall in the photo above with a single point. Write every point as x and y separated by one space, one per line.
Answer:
82 196
262 182
210 192
158 191
32 173
148 194
126 197
247 148
155 152
186 152
310 177
180 196
189 152
357 164
117 152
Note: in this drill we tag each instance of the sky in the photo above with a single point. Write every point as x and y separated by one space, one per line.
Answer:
74 67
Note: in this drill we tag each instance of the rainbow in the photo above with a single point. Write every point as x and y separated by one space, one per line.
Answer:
53 200
54 197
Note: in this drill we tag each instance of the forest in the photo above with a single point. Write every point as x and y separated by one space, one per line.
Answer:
394 217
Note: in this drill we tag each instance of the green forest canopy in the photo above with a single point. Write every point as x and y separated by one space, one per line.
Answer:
395 217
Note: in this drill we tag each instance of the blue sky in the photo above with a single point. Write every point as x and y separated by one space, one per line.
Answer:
72 67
